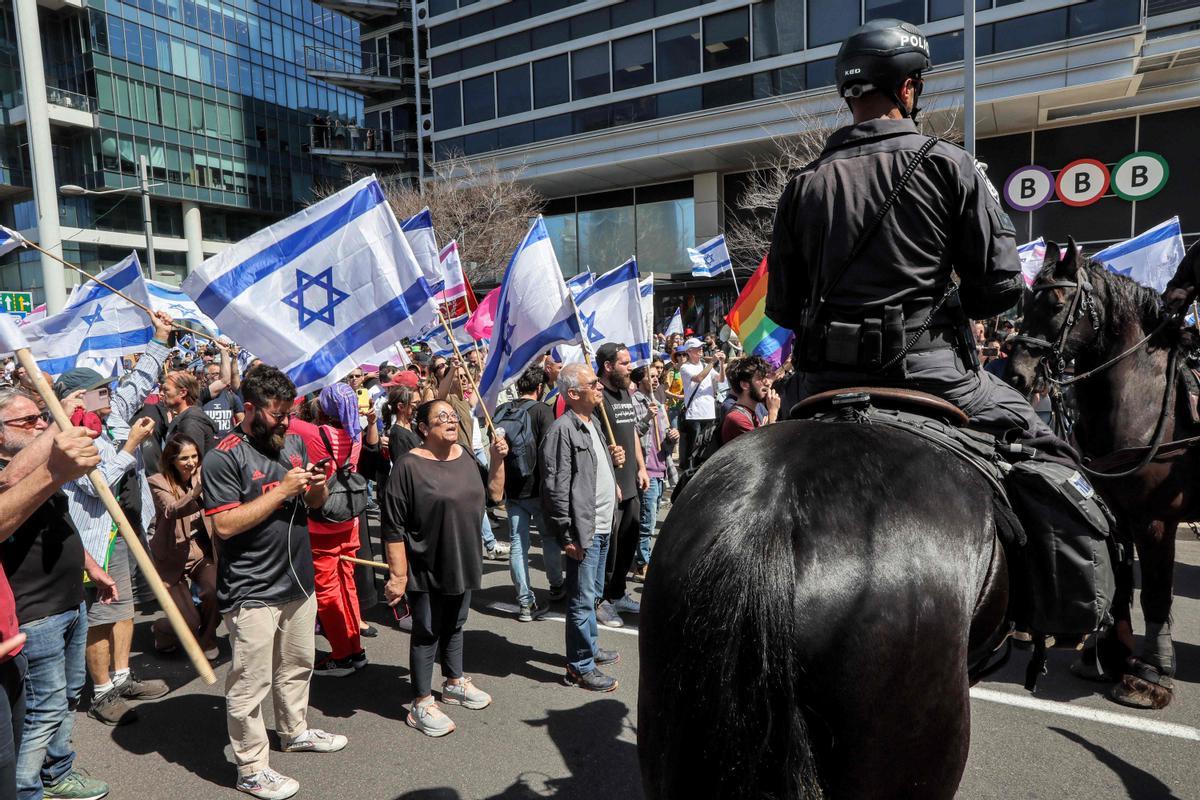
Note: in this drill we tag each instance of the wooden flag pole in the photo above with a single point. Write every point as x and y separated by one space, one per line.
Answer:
474 386
364 562
145 564
117 292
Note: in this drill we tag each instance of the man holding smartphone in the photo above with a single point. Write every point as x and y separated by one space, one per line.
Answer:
700 378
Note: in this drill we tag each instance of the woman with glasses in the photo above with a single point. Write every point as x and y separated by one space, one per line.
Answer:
182 546
432 511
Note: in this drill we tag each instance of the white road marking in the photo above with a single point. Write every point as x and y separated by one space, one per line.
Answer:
1091 714
559 618
1034 704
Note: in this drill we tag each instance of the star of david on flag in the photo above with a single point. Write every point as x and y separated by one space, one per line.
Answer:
711 258
322 291
173 300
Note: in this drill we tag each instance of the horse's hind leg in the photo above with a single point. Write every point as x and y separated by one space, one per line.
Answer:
1148 679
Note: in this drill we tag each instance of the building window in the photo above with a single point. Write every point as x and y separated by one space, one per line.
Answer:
552 127
515 44
551 34
631 11
944 9
830 21
441 7
515 135
728 92
726 39
563 234
592 22
778 27
633 61
479 99
551 82
444 65
637 110
1035 29
819 73
512 91
680 101
589 72
607 236
447 108
592 119
482 142
908 10
1102 15
478 55
665 229
677 50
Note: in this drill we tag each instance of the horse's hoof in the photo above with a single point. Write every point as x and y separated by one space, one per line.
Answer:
1134 692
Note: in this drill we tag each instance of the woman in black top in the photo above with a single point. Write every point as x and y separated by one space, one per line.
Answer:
432 511
402 404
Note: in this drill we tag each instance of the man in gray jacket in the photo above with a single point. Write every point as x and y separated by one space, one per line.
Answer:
579 494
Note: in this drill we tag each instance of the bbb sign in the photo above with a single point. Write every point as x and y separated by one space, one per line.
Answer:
1137 176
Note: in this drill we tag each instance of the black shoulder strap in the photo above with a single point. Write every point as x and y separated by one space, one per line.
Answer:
329 448
820 293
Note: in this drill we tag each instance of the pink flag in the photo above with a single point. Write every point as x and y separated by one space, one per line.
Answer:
479 326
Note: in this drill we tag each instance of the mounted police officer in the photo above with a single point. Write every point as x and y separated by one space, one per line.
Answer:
866 244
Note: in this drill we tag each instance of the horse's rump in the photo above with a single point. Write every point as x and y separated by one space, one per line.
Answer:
805 627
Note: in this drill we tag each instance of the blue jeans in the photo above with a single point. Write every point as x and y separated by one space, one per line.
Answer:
489 538
650 499
520 514
55 648
584 585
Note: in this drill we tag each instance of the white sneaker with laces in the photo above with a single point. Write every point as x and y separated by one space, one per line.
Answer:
429 719
314 740
465 694
268 784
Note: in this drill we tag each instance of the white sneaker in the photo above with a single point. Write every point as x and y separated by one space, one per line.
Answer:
268 785
628 605
465 694
316 741
429 719
607 616
499 551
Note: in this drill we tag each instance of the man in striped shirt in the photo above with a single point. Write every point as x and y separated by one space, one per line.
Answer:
110 626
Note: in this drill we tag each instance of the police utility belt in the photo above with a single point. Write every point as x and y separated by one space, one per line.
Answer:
871 342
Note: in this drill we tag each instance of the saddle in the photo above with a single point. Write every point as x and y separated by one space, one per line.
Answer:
911 400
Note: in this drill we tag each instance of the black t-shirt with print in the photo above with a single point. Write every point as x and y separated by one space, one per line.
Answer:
220 408
272 562
623 418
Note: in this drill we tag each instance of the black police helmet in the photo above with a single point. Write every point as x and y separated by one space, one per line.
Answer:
880 55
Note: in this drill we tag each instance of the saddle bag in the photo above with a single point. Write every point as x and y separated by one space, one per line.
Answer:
1070 551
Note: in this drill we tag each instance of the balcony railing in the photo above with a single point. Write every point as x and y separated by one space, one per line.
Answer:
336 136
352 62
63 98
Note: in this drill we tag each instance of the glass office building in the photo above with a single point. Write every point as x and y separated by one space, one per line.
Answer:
212 93
636 115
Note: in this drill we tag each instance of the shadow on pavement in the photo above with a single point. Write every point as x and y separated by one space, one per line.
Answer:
194 723
344 697
1187 580
1138 782
600 763
488 653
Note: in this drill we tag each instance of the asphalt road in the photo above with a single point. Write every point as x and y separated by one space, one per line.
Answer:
542 739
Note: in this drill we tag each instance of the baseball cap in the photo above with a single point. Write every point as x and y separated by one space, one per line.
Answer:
404 377
691 344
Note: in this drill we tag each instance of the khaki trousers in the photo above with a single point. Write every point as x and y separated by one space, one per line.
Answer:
273 651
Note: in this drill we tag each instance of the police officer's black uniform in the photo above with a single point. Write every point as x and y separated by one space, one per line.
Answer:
947 218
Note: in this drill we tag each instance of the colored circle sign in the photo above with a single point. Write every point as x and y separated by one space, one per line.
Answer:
1029 188
1082 182
1140 175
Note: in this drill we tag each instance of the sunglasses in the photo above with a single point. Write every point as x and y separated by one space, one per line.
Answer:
28 421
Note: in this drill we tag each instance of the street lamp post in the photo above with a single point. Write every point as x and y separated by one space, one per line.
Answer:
144 186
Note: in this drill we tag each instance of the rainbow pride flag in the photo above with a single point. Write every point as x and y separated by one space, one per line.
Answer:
748 317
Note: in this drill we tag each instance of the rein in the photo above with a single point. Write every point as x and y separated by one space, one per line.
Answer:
1082 302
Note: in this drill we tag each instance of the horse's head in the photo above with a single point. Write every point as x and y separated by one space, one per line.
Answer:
1060 317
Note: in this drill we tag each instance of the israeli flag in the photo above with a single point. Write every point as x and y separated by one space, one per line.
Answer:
580 282
439 342
646 290
319 292
10 240
454 282
533 313
12 338
1032 255
675 324
419 232
611 311
96 327
174 301
710 259
1150 258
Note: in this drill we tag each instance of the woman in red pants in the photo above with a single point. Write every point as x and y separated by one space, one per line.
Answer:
337 435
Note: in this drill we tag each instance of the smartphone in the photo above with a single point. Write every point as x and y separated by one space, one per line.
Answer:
320 465
401 611
96 399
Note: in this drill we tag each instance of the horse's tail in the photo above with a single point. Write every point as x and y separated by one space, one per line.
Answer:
723 676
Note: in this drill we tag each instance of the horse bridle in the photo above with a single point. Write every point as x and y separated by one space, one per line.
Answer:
1083 303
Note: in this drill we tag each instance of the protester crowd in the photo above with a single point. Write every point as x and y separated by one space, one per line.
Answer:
254 503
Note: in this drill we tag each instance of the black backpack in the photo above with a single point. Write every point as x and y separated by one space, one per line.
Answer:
517 423
348 491
708 448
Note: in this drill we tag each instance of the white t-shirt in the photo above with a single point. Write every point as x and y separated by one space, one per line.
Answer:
703 405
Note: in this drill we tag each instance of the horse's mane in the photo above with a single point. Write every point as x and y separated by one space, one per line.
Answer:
1128 301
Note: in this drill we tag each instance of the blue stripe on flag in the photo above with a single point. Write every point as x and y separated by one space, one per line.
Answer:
565 329
422 220
713 245
225 289
646 290
639 352
111 341
118 280
622 274
387 316
1151 237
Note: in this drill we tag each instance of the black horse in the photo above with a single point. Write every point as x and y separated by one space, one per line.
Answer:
821 590
1114 330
